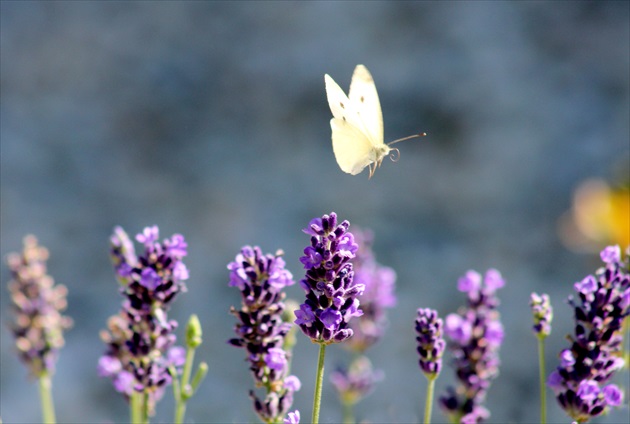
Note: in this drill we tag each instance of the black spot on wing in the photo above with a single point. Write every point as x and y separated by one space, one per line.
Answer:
362 99
342 105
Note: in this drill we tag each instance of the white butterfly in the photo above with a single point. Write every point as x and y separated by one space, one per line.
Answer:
357 124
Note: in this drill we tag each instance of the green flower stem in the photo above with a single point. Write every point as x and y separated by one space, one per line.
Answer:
185 391
428 403
45 395
543 388
145 408
136 409
319 380
348 413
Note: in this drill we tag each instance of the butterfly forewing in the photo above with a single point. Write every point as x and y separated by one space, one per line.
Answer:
340 106
364 98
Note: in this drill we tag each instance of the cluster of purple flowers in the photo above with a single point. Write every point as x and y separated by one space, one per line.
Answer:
379 282
581 380
476 334
141 339
37 303
261 330
358 379
431 343
355 382
331 292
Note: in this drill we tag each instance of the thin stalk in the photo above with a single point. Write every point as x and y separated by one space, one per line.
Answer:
428 403
45 396
543 388
348 413
185 390
145 408
319 380
135 407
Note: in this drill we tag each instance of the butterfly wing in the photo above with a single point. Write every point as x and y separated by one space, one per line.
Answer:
340 106
364 99
353 150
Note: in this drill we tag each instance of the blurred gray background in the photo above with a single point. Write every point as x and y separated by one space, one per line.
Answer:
210 119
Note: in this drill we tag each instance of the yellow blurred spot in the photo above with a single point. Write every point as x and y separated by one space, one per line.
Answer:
600 216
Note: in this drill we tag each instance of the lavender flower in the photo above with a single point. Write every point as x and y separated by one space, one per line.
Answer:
355 382
476 334
580 381
431 343
542 313
379 282
37 304
292 417
331 293
141 338
261 330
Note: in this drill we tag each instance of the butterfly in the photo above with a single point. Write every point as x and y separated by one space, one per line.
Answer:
357 124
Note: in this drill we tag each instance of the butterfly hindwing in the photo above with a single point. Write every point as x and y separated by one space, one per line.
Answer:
352 148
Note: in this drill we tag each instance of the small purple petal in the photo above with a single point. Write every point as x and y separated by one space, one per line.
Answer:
613 395
457 328
292 383
292 417
494 333
611 254
150 279
304 315
124 382
149 235
331 318
180 271
176 356
493 279
566 358
555 381
471 281
588 390
276 358
586 286
311 258
108 366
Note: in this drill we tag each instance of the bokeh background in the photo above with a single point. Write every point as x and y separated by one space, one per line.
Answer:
210 119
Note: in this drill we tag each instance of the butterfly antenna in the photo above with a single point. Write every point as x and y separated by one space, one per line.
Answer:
423 134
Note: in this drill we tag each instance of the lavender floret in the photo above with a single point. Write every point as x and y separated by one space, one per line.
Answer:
431 343
141 339
476 334
261 330
331 293
37 304
580 382
379 282
355 382
542 313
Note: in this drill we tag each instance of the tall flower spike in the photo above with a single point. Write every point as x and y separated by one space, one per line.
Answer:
37 303
431 343
476 334
331 293
261 330
379 282
141 339
581 380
